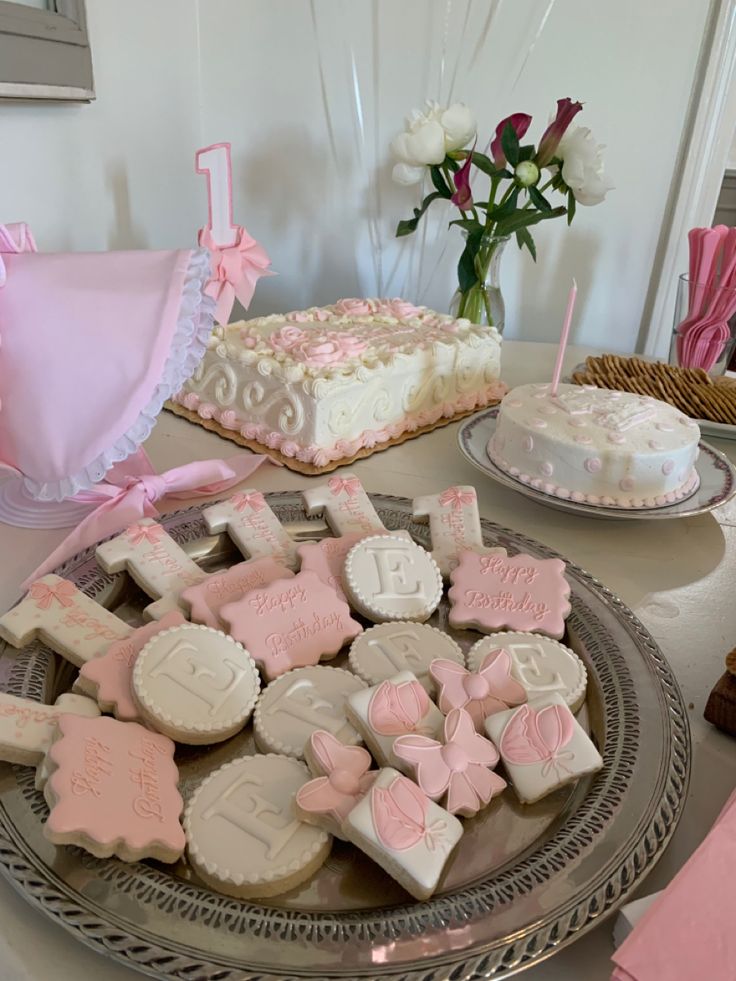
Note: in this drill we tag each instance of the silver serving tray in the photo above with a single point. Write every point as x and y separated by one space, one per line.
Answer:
524 881
717 479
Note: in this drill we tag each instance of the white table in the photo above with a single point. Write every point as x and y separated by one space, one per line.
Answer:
677 576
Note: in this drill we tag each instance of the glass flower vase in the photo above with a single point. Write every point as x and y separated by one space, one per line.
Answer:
482 302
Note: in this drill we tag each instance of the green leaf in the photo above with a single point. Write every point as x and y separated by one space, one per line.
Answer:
438 179
409 225
510 144
522 218
466 276
485 164
524 238
538 199
469 224
453 165
507 208
571 203
527 152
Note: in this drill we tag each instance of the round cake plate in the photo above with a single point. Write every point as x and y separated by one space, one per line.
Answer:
523 882
717 478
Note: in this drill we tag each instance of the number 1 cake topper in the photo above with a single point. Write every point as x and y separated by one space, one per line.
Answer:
238 261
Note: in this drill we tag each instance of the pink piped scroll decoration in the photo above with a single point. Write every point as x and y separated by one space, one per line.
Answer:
398 709
238 261
399 814
533 736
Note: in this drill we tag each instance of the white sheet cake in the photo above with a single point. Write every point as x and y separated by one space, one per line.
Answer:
321 384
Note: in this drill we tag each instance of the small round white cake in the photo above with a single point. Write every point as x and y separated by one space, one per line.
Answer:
595 446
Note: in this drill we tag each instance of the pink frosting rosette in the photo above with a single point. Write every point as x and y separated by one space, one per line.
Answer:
286 338
401 309
305 316
327 349
354 307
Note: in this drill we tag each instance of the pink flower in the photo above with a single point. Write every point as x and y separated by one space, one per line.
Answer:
539 736
458 766
351 345
397 709
286 338
319 351
401 309
463 196
566 112
520 122
399 814
353 307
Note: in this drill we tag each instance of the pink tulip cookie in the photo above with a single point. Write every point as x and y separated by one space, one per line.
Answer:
109 677
541 665
27 728
291 623
206 599
542 747
345 504
253 526
195 684
155 561
391 578
388 648
482 692
404 832
458 768
299 703
454 524
343 777
113 790
520 592
55 612
244 837
391 709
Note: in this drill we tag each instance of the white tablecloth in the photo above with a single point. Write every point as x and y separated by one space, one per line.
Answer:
678 576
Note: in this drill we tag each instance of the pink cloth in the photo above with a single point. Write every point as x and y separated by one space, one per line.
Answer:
235 271
130 492
687 933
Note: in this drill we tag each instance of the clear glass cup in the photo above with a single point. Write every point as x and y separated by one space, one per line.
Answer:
704 296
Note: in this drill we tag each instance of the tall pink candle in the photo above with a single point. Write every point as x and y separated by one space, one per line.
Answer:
564 336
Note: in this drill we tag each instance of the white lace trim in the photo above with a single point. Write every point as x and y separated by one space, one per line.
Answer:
193 327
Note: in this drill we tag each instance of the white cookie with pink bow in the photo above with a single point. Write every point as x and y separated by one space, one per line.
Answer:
454 525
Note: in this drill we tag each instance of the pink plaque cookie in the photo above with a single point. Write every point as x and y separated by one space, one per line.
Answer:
457 768
108 678
206 599
327 558
481 693
253 526
519 592
291 623
344 776
113 790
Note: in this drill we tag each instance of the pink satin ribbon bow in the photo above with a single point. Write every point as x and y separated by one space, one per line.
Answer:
15 238
235 271
130 491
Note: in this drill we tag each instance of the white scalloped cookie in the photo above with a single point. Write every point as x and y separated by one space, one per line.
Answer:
389 648
195 684
243 835
541 665
299 703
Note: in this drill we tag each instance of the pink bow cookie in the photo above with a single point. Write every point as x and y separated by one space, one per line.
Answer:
346 777
459 766
481 693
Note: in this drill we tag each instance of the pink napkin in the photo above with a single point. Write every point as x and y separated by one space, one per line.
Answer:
688 933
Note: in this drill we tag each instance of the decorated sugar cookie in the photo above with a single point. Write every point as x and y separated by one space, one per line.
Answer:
457 769
195 684
113 790
345 504
60 615
27 728
388 648
343 777
391 709
253 526
541 665
489 688
520 592
404 832
154 560
454 524
327 557
291 623
542 746
390 578
206 599
109 677
299 703
244 837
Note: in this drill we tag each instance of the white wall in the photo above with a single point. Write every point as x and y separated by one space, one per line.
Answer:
310 105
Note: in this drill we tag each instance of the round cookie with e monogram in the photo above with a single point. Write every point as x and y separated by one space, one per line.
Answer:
409 732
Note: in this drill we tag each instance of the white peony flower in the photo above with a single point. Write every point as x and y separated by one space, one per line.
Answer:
428 137
582 166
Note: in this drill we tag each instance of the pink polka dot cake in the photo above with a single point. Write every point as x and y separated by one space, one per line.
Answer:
596 446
